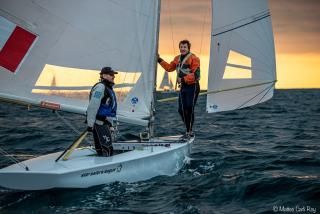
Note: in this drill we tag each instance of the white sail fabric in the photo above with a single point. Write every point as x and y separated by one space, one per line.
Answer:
74 40
242 59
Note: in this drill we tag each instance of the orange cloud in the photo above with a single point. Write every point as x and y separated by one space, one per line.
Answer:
296 30
298 71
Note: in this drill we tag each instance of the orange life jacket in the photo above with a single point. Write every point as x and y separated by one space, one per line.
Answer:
188 69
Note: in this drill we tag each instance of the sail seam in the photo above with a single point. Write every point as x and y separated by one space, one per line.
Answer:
264 56
266 89
248 23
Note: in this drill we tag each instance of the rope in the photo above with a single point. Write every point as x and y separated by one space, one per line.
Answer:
71 126
218 91
193 104
183 117
14 160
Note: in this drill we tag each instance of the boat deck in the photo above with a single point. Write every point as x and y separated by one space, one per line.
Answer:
86 157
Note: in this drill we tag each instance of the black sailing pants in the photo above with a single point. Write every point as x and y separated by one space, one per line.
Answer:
187 100
102 140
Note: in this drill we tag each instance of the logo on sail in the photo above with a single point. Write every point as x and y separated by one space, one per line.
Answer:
15 43
134 100
213 107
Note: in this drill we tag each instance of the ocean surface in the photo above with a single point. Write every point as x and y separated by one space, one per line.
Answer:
262 159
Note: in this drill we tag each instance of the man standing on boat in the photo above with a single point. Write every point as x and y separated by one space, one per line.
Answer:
187 66
101 112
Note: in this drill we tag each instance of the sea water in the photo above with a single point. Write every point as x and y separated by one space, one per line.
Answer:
262 159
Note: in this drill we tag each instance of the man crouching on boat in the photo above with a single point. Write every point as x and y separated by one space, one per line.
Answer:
101 112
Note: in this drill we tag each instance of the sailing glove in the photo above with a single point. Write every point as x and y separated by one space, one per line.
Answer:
89 129
159 59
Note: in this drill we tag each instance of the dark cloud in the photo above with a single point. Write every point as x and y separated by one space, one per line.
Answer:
187 19
296 24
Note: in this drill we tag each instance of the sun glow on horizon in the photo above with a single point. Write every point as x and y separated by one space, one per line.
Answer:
293 71
298 71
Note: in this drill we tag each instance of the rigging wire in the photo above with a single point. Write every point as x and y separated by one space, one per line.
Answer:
202 30
67 122
71 126
200 53
173 45
172 39
171 27
14 160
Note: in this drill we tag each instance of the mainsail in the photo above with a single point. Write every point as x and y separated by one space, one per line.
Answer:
242 60
68 42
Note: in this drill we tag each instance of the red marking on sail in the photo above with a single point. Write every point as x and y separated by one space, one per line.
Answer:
49 105
16 48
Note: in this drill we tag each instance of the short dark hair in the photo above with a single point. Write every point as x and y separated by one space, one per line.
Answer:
185 41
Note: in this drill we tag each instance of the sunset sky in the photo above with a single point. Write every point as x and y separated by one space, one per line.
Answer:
296 26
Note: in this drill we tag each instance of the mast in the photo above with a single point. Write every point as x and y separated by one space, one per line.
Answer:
152 110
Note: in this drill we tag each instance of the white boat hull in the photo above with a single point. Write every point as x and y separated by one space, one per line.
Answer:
85 169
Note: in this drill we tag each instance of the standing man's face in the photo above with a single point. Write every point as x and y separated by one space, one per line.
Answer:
183 48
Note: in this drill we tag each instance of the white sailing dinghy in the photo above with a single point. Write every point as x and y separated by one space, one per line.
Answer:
52 52
166 83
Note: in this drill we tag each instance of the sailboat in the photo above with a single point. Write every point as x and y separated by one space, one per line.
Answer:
69 42
166 83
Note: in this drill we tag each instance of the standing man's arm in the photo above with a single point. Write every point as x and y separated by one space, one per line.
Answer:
94 104
169 67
